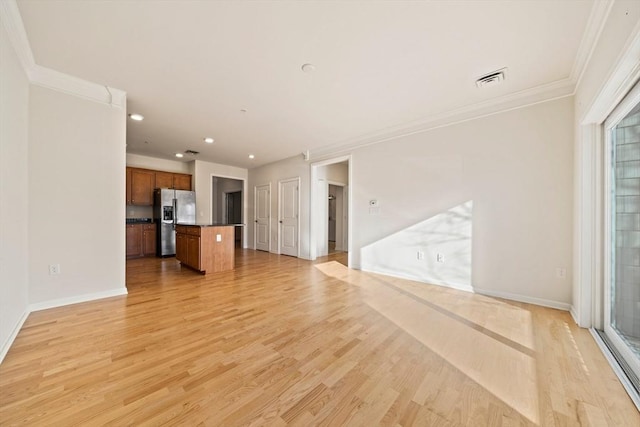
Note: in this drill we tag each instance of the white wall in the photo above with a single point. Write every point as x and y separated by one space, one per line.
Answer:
76 203
292 167
515 169
146 162
203 173
14 277
602 73
338 172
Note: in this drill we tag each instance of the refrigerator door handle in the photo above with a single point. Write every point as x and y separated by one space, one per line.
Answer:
175 212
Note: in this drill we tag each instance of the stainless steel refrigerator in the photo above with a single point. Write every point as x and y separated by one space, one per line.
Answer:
171 207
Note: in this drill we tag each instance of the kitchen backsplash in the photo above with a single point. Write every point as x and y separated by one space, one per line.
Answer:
139 211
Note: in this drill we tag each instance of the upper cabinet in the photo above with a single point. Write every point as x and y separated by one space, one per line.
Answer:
182 181
164 180
141 182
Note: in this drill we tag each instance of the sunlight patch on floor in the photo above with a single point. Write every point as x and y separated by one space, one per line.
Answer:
504 371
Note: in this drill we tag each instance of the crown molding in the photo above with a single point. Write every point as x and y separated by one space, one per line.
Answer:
521 99
46 77
597 20
12 22
559 89
624 73
52 79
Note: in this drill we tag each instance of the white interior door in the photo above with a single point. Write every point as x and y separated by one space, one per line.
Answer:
262 223
289 212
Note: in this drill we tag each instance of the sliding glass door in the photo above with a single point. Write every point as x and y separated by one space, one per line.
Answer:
622 232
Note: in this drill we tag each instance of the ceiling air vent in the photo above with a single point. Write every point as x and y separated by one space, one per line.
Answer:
191 152
492 79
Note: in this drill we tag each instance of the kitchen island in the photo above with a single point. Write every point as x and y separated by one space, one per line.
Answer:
207 248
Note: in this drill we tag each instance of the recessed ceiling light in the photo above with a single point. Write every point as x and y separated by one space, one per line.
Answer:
251 156
308 68
208 140
179 155
137 117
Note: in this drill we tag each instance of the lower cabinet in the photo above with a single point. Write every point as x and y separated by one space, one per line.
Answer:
134 240
193 252
141 240
149 240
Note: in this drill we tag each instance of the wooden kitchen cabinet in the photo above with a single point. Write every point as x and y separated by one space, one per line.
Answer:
142 184
134 240
164 180
198 247
148 239
193 252
141 240
181 246
182 181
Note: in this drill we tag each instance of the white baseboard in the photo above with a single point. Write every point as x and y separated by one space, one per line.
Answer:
77 299
53 304
451 285
524 298
9 341
574 315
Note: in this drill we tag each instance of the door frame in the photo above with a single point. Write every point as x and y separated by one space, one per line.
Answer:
316 205
280 182
255 215
245 200
622 109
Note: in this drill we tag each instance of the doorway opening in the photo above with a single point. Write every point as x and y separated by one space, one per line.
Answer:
227 204
330 207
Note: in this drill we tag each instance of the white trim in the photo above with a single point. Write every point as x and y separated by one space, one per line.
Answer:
622 76
280 182
597 20
313 203
525 298
12 21
77 299
12 337
51 79
526 98
451 285
574 315
46 77
619 112
616 368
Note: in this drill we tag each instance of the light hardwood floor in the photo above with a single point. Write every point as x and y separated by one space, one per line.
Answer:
282 341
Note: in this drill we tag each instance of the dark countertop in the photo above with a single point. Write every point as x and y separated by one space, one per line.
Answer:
139 221
211 224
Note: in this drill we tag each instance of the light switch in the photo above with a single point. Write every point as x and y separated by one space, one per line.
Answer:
218 237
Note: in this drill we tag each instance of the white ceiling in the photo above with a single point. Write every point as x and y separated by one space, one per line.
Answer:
190 66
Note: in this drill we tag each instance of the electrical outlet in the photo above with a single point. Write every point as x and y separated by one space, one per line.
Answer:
439 258
561 273
218 237
420 255
54 269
